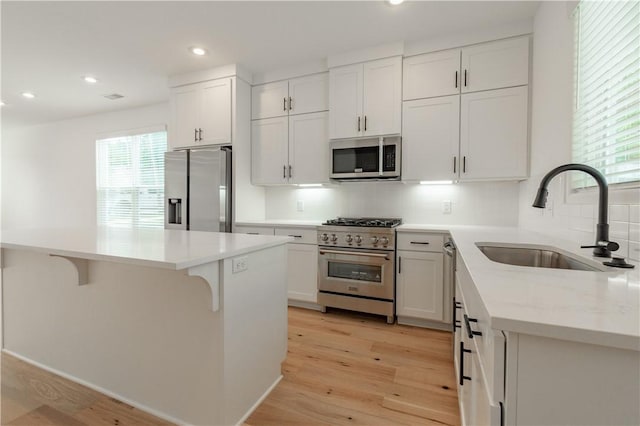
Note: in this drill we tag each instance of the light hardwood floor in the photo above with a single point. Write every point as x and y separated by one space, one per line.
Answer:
341 368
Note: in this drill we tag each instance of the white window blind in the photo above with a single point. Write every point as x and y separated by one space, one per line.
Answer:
130 180
606 123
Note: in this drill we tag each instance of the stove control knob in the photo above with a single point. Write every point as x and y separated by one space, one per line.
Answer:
374 240
334 238
348 238
358 239
384 241
324 237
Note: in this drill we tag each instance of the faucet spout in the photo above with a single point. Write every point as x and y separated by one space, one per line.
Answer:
602 228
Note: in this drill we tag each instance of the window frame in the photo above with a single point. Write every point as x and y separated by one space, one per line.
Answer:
120 134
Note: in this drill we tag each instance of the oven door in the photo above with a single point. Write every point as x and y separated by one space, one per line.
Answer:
358 273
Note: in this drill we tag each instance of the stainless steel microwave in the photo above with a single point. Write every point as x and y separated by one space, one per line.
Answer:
367 158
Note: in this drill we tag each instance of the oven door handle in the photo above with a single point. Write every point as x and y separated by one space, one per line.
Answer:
351 253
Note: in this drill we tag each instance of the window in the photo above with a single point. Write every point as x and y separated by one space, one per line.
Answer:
130 179
606 123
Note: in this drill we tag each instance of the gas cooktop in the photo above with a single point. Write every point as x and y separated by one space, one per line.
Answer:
370 222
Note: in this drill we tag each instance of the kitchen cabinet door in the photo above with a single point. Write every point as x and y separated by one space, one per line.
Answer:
270 100
495 65
302 272
430 139
419 285
382 102
309 148
269 151
494 134
345 101
431 75
185 113
309 94
215 116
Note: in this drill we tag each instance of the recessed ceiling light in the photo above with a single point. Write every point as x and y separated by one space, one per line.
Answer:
90 79
395 2
28 95
198 51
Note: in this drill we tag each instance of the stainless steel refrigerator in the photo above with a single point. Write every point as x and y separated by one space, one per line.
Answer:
197 189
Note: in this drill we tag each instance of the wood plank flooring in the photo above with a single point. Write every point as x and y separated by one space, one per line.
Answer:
341 368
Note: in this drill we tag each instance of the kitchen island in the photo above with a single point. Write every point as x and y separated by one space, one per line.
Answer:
189 326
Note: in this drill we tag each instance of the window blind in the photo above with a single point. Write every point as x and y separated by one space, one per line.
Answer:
130 180
606 121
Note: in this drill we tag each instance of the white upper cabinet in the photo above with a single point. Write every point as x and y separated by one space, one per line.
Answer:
430 139
495 65
345 101
493 134
309 148
309 94
270 100
366 99
296 96
216 112
270 151
382 105
201 114
431 75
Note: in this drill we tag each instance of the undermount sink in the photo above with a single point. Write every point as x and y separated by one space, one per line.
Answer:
533 257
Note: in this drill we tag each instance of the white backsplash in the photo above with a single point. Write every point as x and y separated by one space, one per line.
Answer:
483 203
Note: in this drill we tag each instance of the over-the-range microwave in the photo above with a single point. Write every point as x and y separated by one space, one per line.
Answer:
367 158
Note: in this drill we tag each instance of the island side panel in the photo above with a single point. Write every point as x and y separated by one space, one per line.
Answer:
255 328
145 335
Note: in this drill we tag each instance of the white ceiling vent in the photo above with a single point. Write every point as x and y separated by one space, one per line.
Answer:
114 96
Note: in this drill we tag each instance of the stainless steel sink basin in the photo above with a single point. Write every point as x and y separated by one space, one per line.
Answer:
533 257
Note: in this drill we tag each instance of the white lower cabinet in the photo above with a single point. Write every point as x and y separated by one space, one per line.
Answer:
419 285
302 276
422 298
507 378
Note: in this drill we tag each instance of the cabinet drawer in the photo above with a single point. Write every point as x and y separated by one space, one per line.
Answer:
418 241
301 235
255 230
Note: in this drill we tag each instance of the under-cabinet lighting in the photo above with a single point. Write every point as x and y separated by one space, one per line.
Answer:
90 79
28 95
1 103
436 182
395 2
310 185
198 51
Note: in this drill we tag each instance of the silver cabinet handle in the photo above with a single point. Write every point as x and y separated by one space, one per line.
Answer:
352 253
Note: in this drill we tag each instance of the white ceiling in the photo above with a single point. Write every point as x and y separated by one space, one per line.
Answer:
132 47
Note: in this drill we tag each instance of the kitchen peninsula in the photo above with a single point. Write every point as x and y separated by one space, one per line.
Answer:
190 326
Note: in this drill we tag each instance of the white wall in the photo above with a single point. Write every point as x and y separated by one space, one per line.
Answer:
493 203
48 171
551 130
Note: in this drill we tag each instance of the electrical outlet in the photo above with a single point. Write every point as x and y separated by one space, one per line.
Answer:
300 206
239 264
446 207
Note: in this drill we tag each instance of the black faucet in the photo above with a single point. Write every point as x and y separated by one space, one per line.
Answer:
603 247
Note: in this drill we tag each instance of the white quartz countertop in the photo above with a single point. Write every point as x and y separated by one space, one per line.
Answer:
170 249
283 223
593 307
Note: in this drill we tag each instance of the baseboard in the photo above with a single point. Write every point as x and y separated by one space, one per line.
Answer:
418 322
304 305
96 388
259 401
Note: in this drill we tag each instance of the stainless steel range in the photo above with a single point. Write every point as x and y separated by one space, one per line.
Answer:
356 265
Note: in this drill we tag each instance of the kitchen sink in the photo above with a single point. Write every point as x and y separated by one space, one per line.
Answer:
533 257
